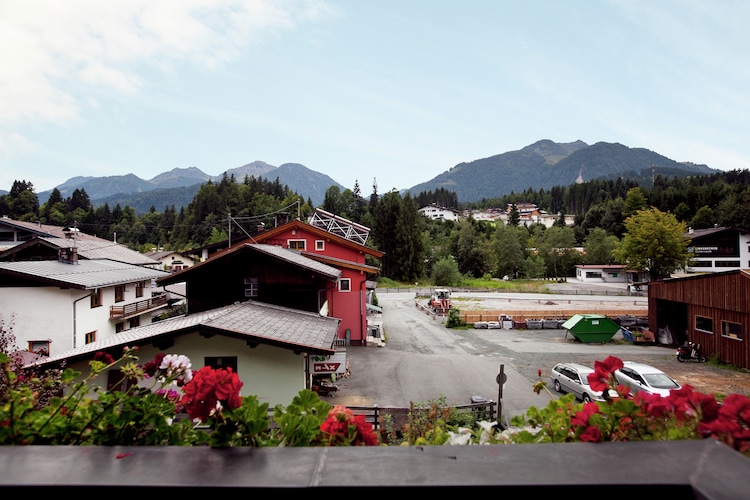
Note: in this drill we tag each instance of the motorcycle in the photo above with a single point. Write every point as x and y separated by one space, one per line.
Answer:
690 351
324 389
324 386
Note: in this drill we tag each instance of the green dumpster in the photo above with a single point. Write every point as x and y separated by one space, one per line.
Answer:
590 328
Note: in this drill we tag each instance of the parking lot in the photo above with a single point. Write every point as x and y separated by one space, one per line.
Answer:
423 361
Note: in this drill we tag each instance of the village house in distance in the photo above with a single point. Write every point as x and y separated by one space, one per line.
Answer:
528 213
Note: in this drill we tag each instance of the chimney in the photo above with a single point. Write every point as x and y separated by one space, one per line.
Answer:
260 227
68 255
70 232
690 230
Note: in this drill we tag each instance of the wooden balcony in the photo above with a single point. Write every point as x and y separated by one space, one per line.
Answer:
135 308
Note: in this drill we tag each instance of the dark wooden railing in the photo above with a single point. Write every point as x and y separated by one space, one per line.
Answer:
690 469
397 417
135 308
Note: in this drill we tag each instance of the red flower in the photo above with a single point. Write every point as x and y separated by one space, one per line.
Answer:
104 357
602 378
343 428
582 417
152 366
210 387
591 435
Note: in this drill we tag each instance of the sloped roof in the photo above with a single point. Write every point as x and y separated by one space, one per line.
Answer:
341 262
84 275
43 229
158 255
254 322
297 224
89 247
290 256
699 233
96 248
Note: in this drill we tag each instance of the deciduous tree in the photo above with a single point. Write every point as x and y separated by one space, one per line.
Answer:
654 242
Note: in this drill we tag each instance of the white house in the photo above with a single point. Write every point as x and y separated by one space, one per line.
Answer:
58 305
607 273
266 345
436 212
718 249
171 260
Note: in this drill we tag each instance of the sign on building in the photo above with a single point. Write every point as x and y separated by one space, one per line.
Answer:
324 365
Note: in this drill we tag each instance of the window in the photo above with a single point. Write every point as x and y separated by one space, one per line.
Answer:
119 293
139 288
217 362
90 337
96 298
251 287
296 244
727 263
701 263
345 285
320 245
133 322
39 346
119 327
731 330
704 324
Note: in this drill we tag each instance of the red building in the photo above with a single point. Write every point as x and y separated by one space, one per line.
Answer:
322 265
339 243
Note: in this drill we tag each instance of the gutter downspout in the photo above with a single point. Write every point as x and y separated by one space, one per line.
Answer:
363 305
74 316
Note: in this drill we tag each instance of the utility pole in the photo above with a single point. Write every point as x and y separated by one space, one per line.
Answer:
501 378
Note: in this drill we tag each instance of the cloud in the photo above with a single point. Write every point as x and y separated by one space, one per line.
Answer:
53 53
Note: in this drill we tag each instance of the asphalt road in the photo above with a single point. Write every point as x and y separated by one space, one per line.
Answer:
423 361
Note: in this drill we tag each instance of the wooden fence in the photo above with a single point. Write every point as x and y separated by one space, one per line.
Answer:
397 417
472 317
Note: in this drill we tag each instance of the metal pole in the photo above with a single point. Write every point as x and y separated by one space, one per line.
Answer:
500 382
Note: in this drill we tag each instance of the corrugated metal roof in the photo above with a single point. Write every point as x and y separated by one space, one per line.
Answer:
104 249
43 229
86 274
297 258
263 323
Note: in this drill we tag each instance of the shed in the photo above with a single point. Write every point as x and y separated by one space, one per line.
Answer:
591 327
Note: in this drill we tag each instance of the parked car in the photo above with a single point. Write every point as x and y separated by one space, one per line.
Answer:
641 377
573 377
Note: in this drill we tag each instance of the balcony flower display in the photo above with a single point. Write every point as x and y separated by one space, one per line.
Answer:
168 403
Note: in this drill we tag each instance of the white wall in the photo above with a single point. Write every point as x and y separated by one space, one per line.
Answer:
38 314
273 375
48 313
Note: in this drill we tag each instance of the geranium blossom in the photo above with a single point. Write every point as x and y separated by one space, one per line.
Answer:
177 365
342 427
211 389
602 378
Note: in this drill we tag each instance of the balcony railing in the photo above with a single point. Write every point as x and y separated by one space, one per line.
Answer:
136 308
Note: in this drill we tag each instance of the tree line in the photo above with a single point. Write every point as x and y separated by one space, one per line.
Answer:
417 248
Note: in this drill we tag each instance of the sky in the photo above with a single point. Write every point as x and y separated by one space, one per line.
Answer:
390 93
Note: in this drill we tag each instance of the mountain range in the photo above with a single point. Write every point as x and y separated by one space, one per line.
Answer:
542 165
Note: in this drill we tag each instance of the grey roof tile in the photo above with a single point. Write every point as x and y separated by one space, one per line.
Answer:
85 274
256 321
104 249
